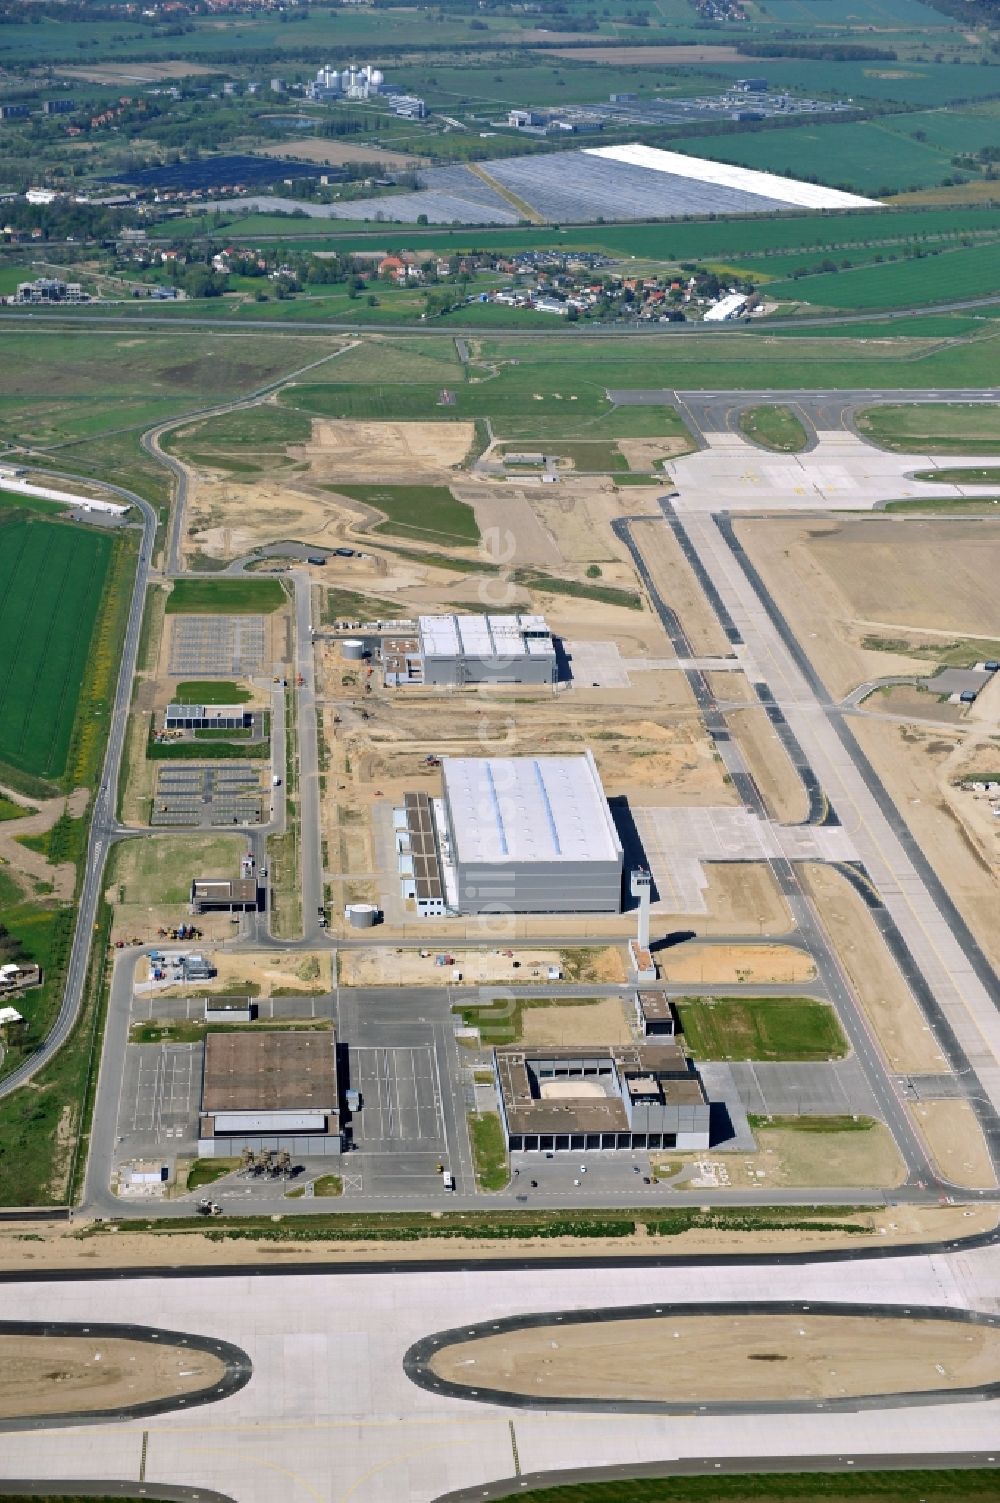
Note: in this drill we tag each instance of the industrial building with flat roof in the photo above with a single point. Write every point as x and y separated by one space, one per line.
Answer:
273 1089
531 835
450 651
626 1097
208 718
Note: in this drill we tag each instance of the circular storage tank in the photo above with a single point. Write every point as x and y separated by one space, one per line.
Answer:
353 649
361 915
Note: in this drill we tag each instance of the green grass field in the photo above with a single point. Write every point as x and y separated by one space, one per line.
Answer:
225 597
981 476
52 578
776 428
786 1028
932 428
839 1487
211 692
428 513
933 278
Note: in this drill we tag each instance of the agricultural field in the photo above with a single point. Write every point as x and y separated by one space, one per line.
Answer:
931 277
876 157
52 579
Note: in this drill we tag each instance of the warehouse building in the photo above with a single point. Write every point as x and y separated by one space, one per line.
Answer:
208 718
274 1089
530 835
452 651
620 1098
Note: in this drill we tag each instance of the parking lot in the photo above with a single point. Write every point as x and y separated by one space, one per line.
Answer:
158 1114
217 644
401 1098
208 794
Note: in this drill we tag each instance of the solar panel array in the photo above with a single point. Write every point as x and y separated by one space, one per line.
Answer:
575 187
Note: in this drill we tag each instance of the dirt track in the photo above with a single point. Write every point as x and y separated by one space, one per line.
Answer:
705 1359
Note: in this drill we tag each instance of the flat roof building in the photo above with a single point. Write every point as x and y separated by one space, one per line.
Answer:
452 651
621 1097
208 718
224 895
272 1089
530 835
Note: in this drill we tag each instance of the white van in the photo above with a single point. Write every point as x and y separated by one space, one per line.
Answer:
448 1179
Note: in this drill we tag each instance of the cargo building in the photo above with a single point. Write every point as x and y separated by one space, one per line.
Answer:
453 651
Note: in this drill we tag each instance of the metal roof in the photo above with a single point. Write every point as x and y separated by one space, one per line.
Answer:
522 809
510 636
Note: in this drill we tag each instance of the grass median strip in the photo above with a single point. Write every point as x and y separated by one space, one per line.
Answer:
834 1487
489 1151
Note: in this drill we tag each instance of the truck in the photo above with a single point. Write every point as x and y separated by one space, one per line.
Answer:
448 1180
353 1100
275 781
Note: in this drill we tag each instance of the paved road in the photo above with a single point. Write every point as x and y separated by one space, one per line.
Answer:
310 829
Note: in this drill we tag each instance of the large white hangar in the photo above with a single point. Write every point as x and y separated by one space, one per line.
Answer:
530 835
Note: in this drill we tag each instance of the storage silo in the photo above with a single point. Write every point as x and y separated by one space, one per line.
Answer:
353 649
361 915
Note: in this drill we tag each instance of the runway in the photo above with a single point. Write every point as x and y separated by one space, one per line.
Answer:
329 1413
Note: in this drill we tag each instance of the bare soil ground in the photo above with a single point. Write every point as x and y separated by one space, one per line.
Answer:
955 830
391 967
956 1143
887 1002
716 965
60 1246
913 702
708 1358
43 1375
677 585
336 154
602 1022
229 514
26 866
841 581
577 514
133 72
791 1158
646 453
307 973
780 785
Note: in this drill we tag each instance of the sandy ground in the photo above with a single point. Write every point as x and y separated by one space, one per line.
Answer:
887 1002
507 515
701 1359
334 154
294 972
719 964
955 831
63 1374
230 515
55 1245
578 513
840 581
797 1159
654 55
646 453
780 785
956 1143
677 585
391 967
601 1022
29 866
